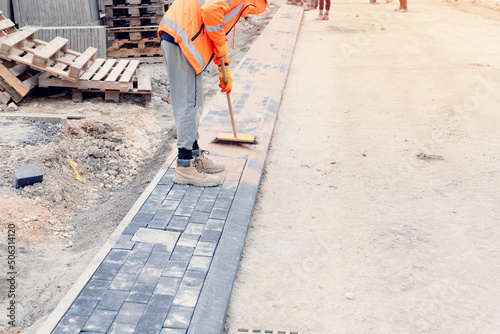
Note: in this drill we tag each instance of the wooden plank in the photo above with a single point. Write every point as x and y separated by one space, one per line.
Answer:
50 51
32 82
104 69
92 69
18 69
143 81
117 70
131 68
112 96
5 97
16 40
83 62
12 81
6 24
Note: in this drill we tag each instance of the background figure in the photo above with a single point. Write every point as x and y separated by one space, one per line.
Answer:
402 6
322 16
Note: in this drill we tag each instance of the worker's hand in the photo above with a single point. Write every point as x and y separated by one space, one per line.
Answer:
228 85
222 50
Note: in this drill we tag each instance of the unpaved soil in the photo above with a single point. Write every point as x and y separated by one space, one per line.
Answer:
61 223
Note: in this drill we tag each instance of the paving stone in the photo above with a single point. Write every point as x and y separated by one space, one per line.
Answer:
221 208
130 313
144 247
124 242
173 331
132 227
205 205
179 317
193 279
182 253
119 328
161 220
167 286
215 224
177 192
161 248
205 248
159 304
100 321
194 228
160 192
188 239
150 275
199 263
94 288
123 281
142 218
170 205
141 293
151 322
26 176
136 260
212 236
167 177
199 217
70 325
112 300
186 296
185 210
152 237
176 268
82 307
177 223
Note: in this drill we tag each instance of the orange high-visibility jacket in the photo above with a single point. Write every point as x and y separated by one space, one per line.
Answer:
198 25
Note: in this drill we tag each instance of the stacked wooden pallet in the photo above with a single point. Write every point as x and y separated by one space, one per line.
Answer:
132 26
23 59
110 77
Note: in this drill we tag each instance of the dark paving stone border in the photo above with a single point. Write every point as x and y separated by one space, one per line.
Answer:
171 264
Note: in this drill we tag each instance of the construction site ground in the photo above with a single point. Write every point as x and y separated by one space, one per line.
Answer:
119 147
379 207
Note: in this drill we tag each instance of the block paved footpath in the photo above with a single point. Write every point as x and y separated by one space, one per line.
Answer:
170 265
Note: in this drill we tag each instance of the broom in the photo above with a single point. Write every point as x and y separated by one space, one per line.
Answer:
232 137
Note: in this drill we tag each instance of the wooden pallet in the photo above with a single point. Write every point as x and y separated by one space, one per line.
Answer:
133 33
16 80
136 2
53 57
139 84
126 44
154 51
125 22
7 27
102 75
135 11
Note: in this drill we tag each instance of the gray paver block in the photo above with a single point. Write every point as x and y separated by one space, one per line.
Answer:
178 223
212 236
176 268
123 281
130 313
94 288
141 293
151 322
168 238
112 300
182 253
186 296
167 286
188 239
199 217
100 321
179 317
150 275
205 248
215 224
193 279
161 219
192 228
70 324
124 242
120 328
199 263
142 218
26 175
159 304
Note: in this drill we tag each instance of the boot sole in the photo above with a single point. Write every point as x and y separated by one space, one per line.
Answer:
177 181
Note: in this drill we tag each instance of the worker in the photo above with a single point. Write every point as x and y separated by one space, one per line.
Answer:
192 33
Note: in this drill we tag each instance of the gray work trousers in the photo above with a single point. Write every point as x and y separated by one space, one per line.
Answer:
186 90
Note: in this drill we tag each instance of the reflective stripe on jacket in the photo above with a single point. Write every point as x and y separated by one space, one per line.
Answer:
198 25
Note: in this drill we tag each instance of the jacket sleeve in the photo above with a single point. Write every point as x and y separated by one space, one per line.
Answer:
212 14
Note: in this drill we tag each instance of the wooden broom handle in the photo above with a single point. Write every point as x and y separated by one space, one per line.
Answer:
224 77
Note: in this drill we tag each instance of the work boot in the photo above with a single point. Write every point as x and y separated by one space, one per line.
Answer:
326 17
319 17
187 173
204 164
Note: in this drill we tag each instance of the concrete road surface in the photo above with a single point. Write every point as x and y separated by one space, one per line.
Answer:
379 211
